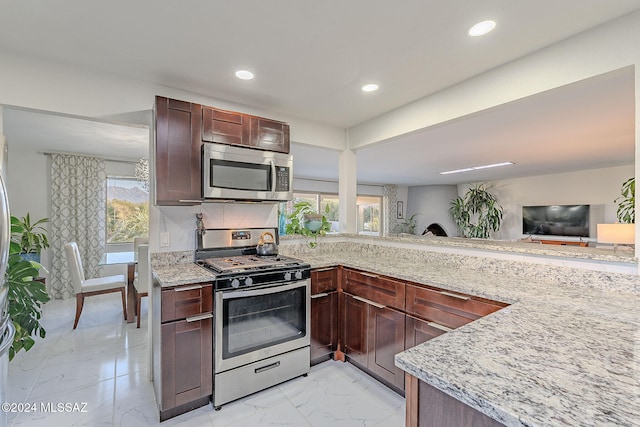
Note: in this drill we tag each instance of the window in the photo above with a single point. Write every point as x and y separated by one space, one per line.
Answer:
369 214
369 210
322 200
127 210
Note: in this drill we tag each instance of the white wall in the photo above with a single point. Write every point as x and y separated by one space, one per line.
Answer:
597 187
431 203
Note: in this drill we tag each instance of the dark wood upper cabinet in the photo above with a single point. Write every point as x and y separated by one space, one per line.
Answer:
225 127
230 127
269 135
177 152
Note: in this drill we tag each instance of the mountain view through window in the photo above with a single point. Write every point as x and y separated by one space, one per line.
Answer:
127 210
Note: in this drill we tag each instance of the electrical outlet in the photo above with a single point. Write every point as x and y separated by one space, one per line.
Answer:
165 239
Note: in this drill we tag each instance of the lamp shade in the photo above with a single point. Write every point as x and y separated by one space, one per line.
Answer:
624 234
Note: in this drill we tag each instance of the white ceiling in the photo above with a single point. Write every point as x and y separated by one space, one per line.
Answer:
310 59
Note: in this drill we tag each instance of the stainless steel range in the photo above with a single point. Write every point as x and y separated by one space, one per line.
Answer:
262 313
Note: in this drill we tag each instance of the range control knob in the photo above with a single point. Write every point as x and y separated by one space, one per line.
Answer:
287 275
235 283
248 281
298 274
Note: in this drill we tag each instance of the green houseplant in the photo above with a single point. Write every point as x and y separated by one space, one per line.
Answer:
626 212
25 294
477 213
408 225
304 220
32 236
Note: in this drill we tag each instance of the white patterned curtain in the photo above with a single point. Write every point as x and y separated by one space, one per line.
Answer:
78 213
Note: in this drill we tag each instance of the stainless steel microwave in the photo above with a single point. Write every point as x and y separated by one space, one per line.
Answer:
237 173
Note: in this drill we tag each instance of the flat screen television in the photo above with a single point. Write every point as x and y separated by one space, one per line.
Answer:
556 220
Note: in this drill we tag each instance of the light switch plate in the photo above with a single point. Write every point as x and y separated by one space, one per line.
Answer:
165 239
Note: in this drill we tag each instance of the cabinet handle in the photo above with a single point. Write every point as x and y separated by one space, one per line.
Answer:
320 295
449 294
323 269
439 326
199 317
188 288
373 276
366 301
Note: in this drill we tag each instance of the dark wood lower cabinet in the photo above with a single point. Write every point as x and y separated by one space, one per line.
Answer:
187 373
419 331
324 326
386 339
182 339
429 407
372 336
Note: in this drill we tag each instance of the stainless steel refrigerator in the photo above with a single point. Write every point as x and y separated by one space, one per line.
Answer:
6 327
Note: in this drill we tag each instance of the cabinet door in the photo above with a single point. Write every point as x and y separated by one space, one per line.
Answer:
269 135
225 127
187 361
324 324
177 152
418 331
386 330
355 323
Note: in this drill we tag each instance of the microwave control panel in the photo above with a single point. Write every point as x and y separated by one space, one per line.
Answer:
282 178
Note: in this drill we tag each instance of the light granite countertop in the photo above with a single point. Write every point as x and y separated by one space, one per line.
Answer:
562 354
558 355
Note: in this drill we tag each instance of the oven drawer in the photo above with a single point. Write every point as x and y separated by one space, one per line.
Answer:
188 300
450 309
376 288
240 382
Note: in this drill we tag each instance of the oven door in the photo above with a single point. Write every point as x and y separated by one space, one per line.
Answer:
244 174
255 324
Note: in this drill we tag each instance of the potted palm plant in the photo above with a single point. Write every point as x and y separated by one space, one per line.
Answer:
477 213
25 294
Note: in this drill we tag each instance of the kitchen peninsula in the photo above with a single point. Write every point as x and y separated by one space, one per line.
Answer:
562 352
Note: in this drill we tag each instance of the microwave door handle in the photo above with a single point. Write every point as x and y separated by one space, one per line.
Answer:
273 179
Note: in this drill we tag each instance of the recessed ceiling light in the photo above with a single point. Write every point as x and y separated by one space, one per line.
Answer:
244 74
482 28
370 87
494 165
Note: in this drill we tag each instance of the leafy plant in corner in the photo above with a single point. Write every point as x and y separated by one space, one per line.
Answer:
477 213
626 212
302 218
32 237
408 225
25 295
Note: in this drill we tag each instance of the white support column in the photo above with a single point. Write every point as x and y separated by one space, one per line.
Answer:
347 191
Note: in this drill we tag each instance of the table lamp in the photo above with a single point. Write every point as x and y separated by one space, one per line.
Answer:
618 234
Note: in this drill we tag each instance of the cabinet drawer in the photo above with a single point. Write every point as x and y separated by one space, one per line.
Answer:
324 280
450 309
184 301
376 288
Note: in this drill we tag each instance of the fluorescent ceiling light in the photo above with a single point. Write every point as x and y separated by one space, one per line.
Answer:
482 28
244 75
370 87
494 165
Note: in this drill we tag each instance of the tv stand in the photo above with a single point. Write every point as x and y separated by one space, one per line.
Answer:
564 243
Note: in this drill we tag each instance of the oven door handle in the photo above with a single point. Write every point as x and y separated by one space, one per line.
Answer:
263 291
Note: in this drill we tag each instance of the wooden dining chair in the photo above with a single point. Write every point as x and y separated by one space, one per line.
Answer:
90 287
141 283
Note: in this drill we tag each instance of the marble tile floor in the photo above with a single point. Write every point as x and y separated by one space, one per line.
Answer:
104 364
